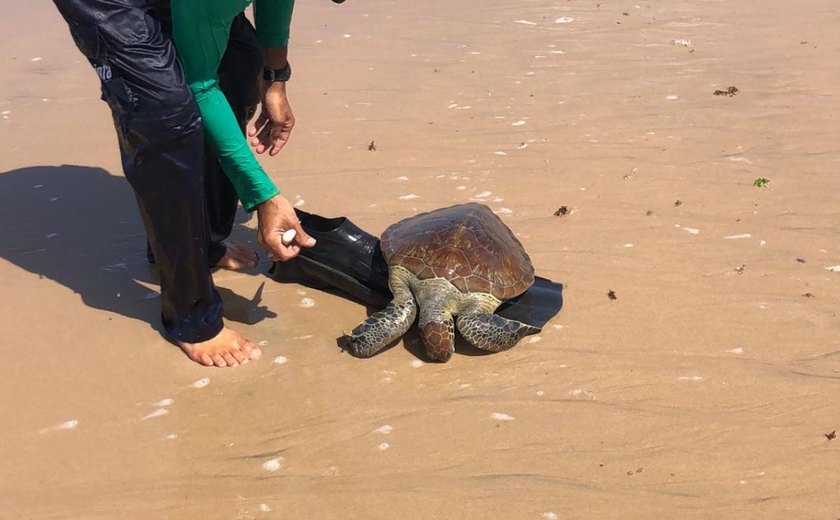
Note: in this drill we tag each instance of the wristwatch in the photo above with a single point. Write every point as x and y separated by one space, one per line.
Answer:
277 74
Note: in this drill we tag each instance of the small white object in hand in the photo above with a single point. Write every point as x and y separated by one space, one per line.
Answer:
288 237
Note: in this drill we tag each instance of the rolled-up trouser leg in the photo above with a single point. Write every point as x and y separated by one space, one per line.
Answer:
162 146
239 81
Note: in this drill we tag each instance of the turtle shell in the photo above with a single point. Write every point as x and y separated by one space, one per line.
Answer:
467 244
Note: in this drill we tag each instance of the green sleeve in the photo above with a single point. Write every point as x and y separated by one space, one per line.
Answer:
273 19
201 29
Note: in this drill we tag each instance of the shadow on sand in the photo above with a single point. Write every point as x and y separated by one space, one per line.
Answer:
79 226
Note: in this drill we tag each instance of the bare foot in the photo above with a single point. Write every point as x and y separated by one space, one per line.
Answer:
227 349
237 257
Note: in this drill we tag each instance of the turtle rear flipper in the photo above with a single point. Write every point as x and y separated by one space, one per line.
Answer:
492 332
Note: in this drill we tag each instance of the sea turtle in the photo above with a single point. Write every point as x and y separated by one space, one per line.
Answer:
458 261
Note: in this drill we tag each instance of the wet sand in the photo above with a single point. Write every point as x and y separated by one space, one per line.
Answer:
706 389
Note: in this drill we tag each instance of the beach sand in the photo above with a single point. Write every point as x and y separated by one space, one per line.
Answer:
707 388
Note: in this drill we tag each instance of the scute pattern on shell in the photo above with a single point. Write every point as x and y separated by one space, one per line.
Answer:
467 244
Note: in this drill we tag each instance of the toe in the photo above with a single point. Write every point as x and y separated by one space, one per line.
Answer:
205 359
229 359
240 355
219 361
252 350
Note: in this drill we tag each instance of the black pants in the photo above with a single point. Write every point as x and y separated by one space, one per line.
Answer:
186 203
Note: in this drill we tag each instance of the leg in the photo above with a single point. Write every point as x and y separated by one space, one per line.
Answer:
492 332
387 325
161 142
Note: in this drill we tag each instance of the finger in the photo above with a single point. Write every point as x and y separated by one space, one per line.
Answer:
291 252
278 140
263 139
285 253
276 146
302 238
259 140
275 247
258 123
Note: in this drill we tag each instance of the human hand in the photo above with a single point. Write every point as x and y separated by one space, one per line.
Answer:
275 217
271 129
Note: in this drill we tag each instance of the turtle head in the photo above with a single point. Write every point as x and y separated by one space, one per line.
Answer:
439 338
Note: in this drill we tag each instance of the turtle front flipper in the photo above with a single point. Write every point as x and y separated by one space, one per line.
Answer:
387 325
492 332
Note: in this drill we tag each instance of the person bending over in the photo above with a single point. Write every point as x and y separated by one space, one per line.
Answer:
161 139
